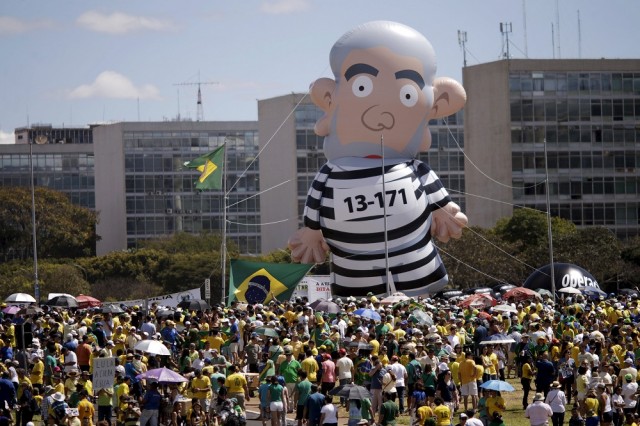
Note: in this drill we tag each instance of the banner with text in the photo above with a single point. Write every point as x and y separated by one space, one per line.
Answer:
169 300
104 371
314 287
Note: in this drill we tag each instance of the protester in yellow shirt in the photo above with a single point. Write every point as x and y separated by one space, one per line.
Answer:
37 372
201 389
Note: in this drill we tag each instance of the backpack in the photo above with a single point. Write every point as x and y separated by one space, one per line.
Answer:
417 372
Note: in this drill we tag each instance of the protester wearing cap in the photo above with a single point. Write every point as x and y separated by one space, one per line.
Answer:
289 370
627 369
344 369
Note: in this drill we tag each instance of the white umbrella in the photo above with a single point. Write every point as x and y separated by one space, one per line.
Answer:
505 308
569 290
20 298
395 298
154 347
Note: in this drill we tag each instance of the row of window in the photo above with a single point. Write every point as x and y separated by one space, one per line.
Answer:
563 110
624 215
579 161
620 135
47 162
151 184
588 84
191 204
578 189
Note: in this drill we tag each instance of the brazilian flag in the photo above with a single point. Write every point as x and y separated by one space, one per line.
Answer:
210 168
260 282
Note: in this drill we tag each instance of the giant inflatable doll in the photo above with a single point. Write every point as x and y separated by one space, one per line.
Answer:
376 113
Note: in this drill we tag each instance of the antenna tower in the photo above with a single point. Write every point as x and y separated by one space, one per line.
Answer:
462 40
200 112
505 29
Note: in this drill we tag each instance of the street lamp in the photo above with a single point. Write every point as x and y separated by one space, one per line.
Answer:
36 284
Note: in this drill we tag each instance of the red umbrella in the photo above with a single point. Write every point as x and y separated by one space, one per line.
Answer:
478 301
518 294
485 315
85 301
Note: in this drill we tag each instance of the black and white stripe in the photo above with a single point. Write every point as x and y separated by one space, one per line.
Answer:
357 245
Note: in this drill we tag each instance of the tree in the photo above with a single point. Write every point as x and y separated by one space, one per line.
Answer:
529 227
481 258
183 242
63 230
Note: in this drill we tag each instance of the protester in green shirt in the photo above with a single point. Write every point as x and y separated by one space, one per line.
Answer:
301 394
289 369
388 411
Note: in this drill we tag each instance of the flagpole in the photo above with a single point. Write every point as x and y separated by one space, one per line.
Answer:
390 286
224 226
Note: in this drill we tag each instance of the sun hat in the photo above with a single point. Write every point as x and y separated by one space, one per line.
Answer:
58 396
539 397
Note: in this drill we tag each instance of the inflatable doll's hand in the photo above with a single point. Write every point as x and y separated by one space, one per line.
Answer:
308 246
447 222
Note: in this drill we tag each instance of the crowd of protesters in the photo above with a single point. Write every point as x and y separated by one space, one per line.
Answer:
429 360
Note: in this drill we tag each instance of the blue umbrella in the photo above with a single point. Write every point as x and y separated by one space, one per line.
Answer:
593 292
367 313
497 385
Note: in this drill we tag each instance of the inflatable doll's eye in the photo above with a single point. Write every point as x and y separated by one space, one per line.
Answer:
409 95
362 86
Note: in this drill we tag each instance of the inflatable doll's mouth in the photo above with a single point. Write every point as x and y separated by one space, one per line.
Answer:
374 156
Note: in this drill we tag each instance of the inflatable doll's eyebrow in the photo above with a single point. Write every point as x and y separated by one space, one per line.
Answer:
356 69
411 75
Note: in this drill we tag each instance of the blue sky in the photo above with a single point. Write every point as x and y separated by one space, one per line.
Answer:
75 62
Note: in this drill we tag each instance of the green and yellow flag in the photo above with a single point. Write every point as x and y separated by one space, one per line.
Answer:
210 167
260 282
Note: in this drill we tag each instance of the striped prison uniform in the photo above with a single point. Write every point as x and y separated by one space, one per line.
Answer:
345 202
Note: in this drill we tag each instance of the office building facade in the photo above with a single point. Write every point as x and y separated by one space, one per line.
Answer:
586 113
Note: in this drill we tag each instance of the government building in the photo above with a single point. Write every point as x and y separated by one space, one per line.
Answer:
491 157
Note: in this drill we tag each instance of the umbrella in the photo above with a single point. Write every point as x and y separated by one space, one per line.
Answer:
64 301
165 313
421 317
395 298
31 310
505 308
569 290
351 391
325 306
194 305
11 310
361 345
593 292
497 385
85 301
485 315
154 347
162 375
112 309
519 294
20 298
267 331
367 313
497 339
544 292
478 301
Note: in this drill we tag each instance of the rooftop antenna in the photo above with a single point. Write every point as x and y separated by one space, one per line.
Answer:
462 40
524 25
579 37
553 42
200 113
505 29
558 27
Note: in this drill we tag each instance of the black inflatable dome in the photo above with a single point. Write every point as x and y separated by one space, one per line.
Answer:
566 275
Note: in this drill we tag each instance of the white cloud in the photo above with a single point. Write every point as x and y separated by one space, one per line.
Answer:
6 138
11 25
283 7
121 23
110 84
